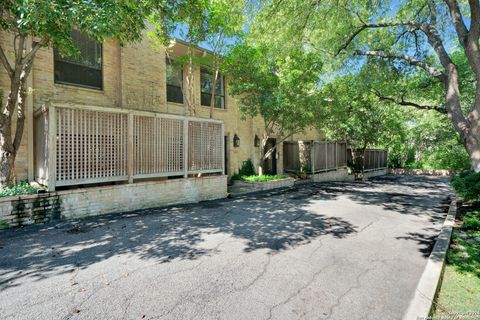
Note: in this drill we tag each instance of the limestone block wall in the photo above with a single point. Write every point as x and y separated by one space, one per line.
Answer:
335 175
77 203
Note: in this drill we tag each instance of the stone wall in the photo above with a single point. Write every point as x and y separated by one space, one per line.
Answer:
342 175
335 175
77 203
422 172
240 187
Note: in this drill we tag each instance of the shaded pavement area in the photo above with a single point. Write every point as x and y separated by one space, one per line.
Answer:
319 251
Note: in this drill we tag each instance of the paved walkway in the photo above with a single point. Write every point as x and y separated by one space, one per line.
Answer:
328 251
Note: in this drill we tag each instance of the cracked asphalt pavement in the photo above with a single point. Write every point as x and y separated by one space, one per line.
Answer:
321 251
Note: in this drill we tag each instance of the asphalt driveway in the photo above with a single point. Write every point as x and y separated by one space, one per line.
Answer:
324 251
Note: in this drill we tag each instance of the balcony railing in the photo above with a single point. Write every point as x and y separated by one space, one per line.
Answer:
90 145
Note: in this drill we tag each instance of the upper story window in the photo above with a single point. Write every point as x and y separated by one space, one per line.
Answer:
206 84
174 82
83 69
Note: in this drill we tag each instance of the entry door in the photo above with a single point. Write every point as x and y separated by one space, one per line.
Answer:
270 164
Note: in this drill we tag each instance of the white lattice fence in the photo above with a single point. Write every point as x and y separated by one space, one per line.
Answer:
205 147
158 145
91 146
88 145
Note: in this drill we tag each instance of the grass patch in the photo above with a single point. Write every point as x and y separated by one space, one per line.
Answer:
23 188
460 289
263 178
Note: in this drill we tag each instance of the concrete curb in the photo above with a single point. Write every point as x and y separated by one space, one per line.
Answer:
427 287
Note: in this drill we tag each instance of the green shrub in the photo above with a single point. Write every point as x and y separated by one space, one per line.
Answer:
467 185
247 169
263 178
471 221
23 188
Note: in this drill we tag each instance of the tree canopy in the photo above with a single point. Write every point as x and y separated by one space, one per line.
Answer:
278 86
424 39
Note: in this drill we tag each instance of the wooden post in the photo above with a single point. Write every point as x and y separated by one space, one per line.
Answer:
130 149
52 148
223 148
326 155
312 156
185 148
336 156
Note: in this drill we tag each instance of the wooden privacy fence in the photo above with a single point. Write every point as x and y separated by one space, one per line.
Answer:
86 145
314 156
375 159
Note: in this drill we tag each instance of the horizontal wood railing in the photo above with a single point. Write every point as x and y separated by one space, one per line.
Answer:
88 145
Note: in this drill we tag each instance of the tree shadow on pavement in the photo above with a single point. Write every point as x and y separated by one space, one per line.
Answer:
268 221
277 220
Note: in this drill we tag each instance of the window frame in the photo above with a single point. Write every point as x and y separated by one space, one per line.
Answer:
170 61
223 89
85 86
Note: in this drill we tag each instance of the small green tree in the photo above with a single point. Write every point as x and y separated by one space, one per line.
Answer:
350 111
278 86
211 22
45 23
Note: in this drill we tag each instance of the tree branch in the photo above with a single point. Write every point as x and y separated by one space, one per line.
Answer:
19 49
410 60
5 63
366 26
36 45
474 33
457 20
402 102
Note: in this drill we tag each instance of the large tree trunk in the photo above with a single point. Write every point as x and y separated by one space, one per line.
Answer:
7 149
467 127
358 159
472 144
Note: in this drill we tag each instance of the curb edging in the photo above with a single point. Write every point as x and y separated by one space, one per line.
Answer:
421 304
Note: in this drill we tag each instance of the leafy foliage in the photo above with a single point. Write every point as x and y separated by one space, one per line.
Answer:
428 142
23 188
247 169
350 111
471 220
262 178
416 39
467 185
278 86
53 20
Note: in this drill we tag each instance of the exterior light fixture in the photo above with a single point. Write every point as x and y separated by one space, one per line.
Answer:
256 141
236 141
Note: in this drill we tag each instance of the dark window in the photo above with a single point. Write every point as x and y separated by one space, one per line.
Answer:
174 82
83 69
206 83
